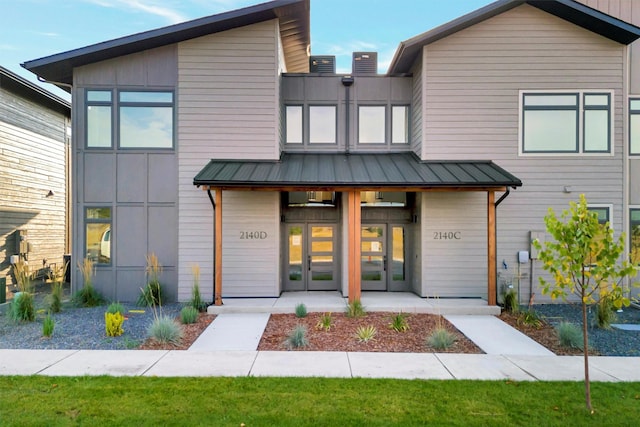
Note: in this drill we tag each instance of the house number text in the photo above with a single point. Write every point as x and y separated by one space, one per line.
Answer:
447 235
253 235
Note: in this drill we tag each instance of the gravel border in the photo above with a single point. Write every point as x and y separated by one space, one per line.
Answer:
83 328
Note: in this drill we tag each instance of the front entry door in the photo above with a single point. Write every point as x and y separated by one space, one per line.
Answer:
311 258
383 262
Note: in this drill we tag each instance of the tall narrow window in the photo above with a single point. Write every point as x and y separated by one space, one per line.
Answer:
597 123
372 125
99 113
322 124
98 234
293 120
604 219
399 124
146 119
634 127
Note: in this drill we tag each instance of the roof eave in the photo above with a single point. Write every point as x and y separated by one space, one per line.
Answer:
569 10
14 82
58 68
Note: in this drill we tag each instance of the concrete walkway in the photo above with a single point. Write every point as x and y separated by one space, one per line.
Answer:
188 363
233 331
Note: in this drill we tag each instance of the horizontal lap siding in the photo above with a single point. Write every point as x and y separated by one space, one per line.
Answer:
473 79
227 108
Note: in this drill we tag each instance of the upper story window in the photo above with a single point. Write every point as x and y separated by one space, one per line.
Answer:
578 122
99 118
400 124
373 124
145 119
321 128
634 127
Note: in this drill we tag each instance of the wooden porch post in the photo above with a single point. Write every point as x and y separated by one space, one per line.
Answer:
491 248
354 245
218 248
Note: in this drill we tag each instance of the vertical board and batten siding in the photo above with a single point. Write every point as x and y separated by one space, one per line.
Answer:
251 244
454 267
473 81
33 147
227 109
139 185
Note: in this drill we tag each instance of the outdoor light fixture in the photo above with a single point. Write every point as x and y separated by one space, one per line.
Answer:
347 81
50 193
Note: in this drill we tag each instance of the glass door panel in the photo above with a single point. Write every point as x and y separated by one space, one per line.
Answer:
321 265
295 267
373 262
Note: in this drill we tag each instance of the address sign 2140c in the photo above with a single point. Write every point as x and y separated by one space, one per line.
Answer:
447 235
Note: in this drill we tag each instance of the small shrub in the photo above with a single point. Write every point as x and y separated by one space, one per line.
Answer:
530 318
399 322
325 322
88 297
188 315
441 338
116 307
570 335
301 310
355 309
22 307
55 299
166 330
150 295
366 333
113 324
605 313
297 338
511 301
47 326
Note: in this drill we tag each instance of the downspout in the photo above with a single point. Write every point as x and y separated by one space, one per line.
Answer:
213 205
347 81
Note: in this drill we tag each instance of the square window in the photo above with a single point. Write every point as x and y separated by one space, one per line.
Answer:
146 119
372 124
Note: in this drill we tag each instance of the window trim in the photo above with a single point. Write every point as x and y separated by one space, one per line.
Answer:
607 206
633 112
87 221
580 109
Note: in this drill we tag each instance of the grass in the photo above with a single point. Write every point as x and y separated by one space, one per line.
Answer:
125 401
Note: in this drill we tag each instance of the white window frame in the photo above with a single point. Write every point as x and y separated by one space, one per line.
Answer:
637 113
581 110
630 233
608 206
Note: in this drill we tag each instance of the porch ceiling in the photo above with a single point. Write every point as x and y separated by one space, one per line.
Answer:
342 171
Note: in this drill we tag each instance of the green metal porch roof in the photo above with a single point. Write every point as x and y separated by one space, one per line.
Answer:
341 170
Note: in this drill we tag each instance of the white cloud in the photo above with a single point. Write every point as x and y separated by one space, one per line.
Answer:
152 7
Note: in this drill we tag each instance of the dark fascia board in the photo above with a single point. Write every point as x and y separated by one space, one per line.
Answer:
569 10
58 68
23 87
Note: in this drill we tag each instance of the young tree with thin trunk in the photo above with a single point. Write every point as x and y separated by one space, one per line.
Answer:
584 259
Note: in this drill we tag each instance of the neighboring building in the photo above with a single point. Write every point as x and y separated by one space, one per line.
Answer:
219 142
34 173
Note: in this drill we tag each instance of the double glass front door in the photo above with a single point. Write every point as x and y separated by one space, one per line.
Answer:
383 257
311 257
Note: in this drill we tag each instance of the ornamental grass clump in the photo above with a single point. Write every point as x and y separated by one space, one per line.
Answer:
441 338
355 309
88 296
297 338
48 325
22 307
325 322
116 307
530 318
152 292
196 298
164 329
301 310
188 315
366 333
399 322
605 313
55 299
570 335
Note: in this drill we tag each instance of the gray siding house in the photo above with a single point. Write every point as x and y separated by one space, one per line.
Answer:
34 174
220 142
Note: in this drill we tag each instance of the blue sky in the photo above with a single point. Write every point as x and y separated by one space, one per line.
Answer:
31 29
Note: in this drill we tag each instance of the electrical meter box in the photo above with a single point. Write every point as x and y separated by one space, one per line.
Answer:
540 237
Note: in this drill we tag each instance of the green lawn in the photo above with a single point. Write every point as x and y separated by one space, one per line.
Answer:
53 401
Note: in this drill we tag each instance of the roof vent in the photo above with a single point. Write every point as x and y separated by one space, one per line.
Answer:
322 64
365 63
